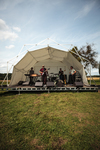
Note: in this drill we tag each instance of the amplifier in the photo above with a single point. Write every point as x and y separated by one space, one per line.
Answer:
50 84
38 84
78 84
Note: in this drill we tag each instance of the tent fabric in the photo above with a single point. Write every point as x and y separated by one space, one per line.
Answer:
50 57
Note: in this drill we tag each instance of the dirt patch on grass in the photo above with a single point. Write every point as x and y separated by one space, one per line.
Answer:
2 125
39 94
34 142
37 102
86 122
80 115
58 144
38 112
78 132
46 95
39 147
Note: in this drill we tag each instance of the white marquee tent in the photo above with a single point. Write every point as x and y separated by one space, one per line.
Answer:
50 57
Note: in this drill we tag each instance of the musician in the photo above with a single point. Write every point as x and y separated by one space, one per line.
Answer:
72 74
43 71
61 75
31 78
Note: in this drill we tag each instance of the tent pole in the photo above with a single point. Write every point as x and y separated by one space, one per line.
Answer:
17 55
7 73
35 44
58 43
90 73
78 54
21 49
81 56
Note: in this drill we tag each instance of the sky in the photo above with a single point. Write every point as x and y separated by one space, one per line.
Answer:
68 22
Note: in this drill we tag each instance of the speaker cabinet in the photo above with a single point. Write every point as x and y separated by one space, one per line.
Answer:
78 84
50 84
38 84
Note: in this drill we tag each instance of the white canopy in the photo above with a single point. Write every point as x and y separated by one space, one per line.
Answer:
50 57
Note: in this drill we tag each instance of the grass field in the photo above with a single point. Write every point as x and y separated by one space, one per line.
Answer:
50 121
96 81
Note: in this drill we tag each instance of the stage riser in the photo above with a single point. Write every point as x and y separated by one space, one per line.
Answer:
53 89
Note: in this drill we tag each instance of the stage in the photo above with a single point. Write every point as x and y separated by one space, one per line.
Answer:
64 88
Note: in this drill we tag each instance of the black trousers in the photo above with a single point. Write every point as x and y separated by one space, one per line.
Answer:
44 79
71 79
61 77
31 80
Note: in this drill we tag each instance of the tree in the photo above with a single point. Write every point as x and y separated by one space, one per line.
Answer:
88 55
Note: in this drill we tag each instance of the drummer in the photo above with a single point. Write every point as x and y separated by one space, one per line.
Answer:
31 78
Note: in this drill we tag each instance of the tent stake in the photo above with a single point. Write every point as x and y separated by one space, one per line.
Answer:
19 92
48 90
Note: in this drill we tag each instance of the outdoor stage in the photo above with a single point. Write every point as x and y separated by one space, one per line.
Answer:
65 88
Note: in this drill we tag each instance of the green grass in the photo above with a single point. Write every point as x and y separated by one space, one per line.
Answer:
96 81
50 121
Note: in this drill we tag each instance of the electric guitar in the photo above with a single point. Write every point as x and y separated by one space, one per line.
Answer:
44 71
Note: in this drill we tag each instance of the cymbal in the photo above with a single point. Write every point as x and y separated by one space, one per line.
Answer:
56 74
51 73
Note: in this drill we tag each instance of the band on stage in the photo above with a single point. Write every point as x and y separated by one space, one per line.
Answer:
58 76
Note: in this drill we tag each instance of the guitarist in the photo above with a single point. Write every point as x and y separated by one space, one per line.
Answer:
43 72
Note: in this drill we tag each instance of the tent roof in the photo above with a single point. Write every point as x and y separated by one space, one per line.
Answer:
33 57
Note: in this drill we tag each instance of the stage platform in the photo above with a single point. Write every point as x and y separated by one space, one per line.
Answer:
65 88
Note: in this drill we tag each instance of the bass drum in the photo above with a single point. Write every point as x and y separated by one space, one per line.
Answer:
59 83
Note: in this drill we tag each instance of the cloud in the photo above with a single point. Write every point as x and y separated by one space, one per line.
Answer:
3 25
4 35
5 32
85 10
17 29
10 46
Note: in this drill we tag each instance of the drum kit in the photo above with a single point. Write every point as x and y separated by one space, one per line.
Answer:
53 77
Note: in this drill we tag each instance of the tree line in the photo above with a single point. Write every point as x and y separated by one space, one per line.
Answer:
2 76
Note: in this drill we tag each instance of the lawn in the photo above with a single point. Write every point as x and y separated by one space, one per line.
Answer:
50 121
97 82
